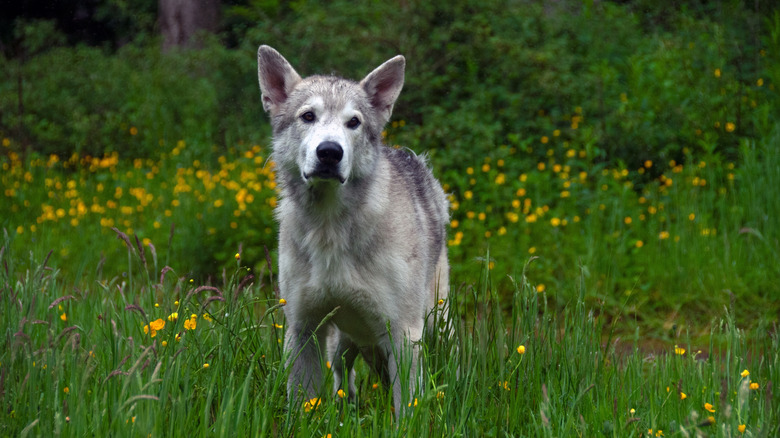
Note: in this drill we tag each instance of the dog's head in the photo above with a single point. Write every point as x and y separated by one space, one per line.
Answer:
326 127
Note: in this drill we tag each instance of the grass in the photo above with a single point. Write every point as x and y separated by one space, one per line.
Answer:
78 361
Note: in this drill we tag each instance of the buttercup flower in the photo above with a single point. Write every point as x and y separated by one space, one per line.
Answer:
311 404
709 407
154 327
191 323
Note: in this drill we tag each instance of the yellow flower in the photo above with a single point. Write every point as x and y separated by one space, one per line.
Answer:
415 400
709 407
730 126
555 222
311 404
521 349
717 73
745 373
683 396
282 302
154 326
679 350
173 316
341 393
66 390
540 288
191 323
741 428
753 386
164 343
64 317
441 302
238 256
205 365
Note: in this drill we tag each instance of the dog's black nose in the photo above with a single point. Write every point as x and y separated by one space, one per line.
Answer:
329 153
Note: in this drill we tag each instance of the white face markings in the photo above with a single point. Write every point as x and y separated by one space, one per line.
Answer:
319 124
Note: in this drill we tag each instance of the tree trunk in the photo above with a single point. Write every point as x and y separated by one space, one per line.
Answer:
181 20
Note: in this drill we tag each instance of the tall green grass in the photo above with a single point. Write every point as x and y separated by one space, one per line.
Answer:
75 360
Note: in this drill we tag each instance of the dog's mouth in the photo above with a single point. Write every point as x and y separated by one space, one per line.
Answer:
324 173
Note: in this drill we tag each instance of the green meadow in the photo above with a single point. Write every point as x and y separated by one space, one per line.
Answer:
614 235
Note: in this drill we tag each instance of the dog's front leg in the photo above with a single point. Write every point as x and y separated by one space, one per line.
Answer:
344 355
304 361
404 352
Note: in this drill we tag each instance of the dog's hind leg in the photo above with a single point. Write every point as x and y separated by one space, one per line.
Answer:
304 362
344 355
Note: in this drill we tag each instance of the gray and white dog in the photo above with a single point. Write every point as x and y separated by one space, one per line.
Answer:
361 227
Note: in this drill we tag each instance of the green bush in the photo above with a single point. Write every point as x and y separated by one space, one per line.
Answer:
91 102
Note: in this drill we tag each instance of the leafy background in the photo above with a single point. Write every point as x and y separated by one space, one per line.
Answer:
631 143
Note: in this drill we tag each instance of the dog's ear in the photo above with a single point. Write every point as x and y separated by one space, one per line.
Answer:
383 85
277 78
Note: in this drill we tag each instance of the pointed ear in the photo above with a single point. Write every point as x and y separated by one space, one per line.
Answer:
277 78
384 84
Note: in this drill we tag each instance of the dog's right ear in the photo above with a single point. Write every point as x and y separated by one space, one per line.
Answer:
277 78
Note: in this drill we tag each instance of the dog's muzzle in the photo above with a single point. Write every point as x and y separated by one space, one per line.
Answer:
329 155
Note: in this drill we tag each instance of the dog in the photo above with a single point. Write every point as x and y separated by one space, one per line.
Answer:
362 228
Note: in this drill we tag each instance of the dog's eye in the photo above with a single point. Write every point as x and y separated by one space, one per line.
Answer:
308 117
353 123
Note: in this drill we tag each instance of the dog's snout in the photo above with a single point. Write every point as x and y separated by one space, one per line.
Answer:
329 153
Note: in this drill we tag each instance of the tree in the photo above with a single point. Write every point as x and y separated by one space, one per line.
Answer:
182 20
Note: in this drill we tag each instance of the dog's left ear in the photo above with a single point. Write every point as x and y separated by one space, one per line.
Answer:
384 84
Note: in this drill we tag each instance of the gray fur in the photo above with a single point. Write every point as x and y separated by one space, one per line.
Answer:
365 237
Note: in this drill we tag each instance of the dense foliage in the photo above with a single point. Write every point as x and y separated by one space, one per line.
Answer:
636 140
